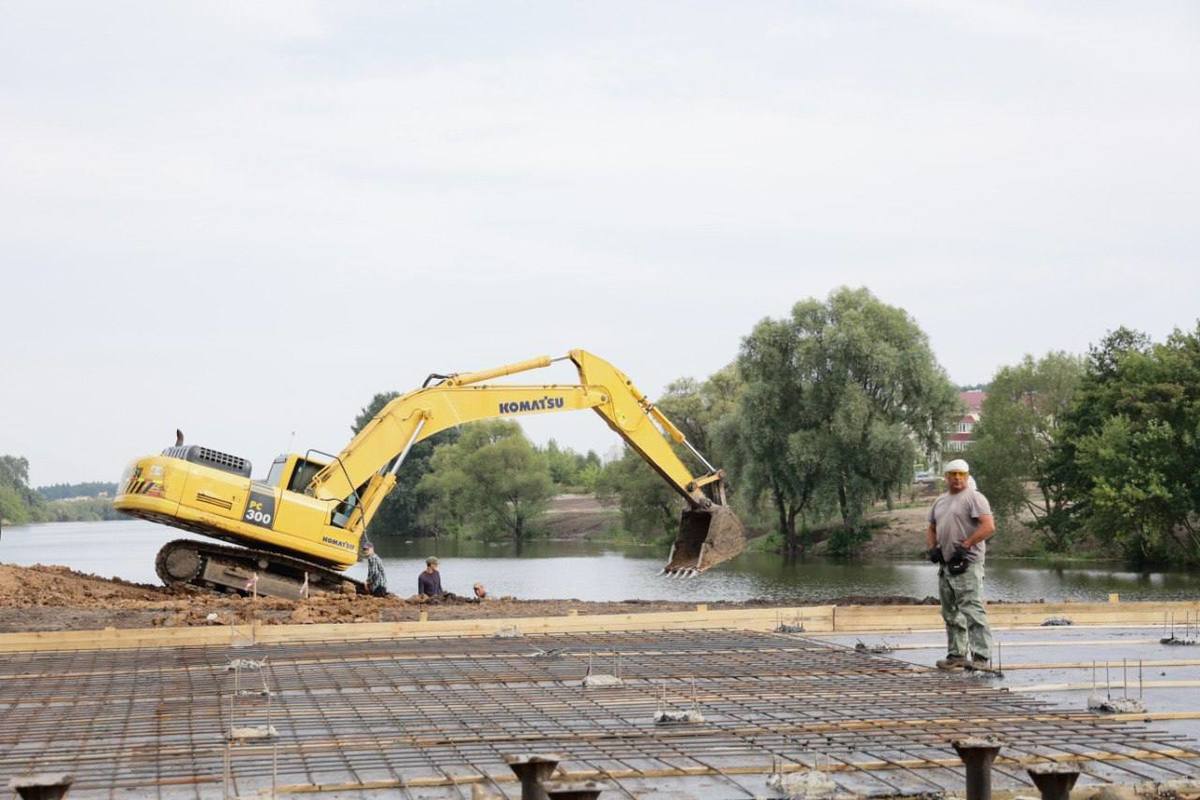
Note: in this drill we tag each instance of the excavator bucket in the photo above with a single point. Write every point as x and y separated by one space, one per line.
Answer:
707 536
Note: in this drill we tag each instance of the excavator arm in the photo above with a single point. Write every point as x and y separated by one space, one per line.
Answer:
359 477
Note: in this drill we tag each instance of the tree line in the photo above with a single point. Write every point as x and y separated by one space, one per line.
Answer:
1101 449
824 415
20 504
827 413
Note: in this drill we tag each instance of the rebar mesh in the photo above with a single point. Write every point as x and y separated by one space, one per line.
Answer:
442 713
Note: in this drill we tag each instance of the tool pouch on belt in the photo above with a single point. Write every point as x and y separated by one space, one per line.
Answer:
957 565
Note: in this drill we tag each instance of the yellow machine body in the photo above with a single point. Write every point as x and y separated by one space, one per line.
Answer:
260 514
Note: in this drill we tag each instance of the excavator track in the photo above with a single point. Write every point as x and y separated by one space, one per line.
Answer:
243 570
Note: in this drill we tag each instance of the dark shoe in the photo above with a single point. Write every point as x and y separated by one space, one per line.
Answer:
951 663
978 663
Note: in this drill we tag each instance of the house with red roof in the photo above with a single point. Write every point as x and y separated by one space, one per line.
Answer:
961 435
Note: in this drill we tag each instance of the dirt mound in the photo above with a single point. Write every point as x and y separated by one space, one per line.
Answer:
59 586
579 516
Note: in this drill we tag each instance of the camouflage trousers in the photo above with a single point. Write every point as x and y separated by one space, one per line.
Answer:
962 609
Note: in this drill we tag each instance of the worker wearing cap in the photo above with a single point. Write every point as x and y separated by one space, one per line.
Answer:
429 582
960 523
376 579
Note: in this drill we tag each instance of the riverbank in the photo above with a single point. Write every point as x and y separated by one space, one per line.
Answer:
895 534
59 598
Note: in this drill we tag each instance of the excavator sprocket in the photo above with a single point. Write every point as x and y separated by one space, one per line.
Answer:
707 536
246 571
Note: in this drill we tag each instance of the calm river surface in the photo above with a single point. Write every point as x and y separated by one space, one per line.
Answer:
587 571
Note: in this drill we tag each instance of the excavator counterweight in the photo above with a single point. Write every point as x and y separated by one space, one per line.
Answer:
301 525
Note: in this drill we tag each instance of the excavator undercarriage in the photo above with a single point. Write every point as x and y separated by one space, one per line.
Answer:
238 569
243 570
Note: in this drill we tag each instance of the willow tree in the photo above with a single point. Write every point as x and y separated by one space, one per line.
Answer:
840 399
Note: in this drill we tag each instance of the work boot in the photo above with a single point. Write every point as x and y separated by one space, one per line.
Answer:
951 663
979 663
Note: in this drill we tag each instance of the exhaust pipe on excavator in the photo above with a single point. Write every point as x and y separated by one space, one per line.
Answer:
707 536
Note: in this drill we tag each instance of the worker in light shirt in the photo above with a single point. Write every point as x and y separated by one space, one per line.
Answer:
960 523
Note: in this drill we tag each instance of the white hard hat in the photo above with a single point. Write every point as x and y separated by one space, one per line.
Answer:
957 465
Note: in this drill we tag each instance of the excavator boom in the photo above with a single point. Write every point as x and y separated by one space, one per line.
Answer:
313 509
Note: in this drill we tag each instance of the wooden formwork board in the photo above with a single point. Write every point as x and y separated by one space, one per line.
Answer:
815 619
850 619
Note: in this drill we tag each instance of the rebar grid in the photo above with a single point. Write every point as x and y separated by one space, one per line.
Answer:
444 712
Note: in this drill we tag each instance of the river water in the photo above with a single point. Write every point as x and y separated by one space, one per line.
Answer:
590 571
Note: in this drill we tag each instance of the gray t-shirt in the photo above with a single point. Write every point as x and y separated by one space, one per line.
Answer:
955 517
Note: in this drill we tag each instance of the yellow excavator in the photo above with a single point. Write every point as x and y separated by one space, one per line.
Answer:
297 530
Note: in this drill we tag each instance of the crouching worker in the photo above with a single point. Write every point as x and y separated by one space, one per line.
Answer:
429 582
960 523
376 579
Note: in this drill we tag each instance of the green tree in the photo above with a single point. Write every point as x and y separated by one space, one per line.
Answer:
492 479
13 509
569 470
61 491
400 513
561 463
589 472
1130 451
1020 422
649 506
838 399
18 503
697 408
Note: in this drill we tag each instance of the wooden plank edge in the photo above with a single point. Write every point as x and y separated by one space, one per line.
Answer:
816 619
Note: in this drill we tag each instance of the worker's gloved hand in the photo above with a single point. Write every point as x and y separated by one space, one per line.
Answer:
958 564
935 555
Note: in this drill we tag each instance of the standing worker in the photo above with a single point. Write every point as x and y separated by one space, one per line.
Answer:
960 523
429 582
376 579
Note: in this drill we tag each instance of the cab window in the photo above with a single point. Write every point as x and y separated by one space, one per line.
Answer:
303 474
276 473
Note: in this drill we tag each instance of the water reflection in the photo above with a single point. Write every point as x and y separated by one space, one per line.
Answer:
591 571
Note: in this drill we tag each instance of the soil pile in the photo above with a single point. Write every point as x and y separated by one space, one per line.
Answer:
22 587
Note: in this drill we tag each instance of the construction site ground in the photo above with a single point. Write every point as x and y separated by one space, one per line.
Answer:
58 598
708 702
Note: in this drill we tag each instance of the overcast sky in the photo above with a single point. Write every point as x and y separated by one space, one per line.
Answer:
244 219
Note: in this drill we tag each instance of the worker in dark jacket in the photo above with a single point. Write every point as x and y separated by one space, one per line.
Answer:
376 579
429 582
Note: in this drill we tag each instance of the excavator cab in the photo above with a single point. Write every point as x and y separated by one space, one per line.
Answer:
707 536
